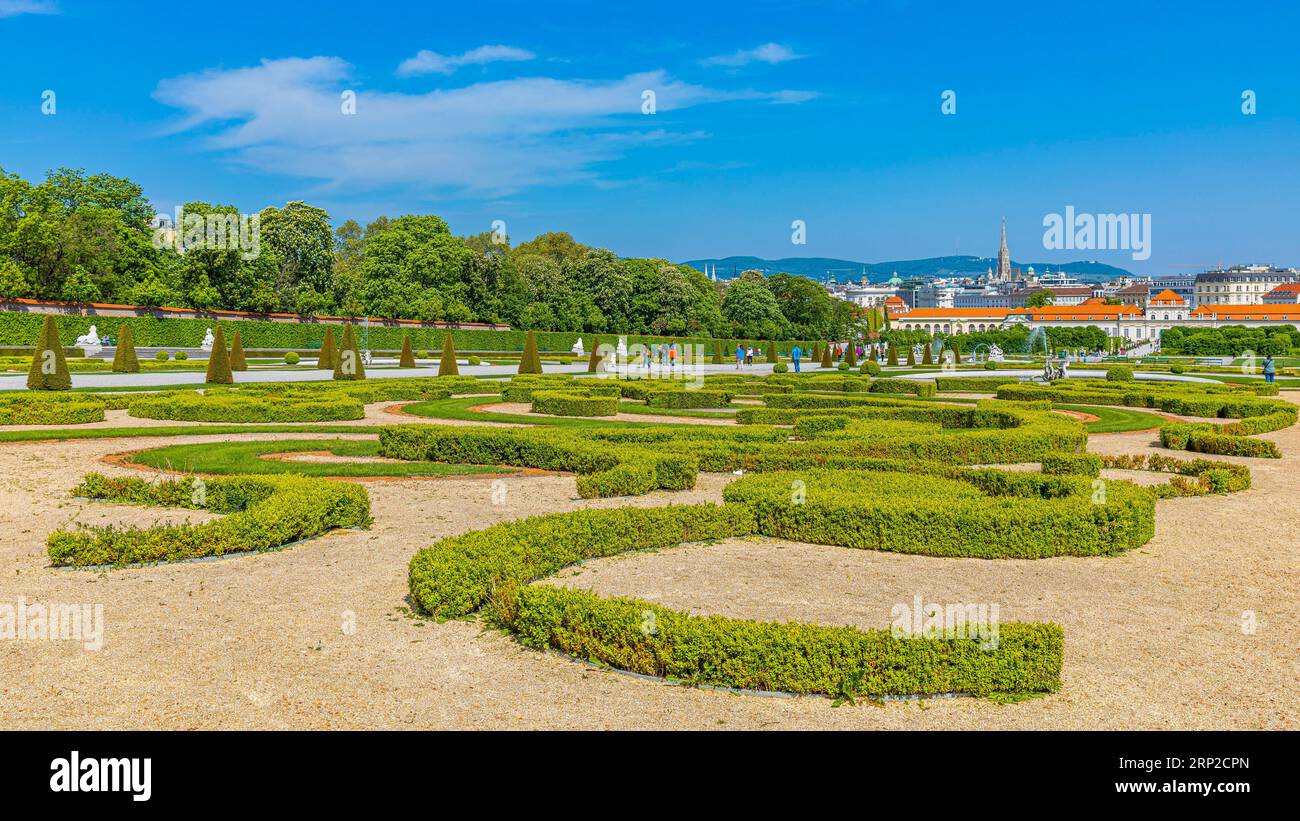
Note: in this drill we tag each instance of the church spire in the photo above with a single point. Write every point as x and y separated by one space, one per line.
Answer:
1004 256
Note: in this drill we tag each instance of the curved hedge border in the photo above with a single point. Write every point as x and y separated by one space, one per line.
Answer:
988 514
491 569
263 513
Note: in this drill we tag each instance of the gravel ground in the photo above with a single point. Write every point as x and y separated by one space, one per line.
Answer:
317 636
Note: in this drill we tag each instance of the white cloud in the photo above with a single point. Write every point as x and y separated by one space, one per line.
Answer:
431 62
13 8
283 117
771 53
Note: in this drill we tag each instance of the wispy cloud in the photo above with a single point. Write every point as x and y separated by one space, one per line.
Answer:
771 53
284 117
13 8
431 62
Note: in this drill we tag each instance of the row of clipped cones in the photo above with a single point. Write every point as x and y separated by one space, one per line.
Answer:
49 368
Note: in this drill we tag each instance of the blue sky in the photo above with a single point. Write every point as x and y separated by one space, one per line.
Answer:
767 112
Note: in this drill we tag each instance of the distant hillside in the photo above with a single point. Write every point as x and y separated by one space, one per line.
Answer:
844 269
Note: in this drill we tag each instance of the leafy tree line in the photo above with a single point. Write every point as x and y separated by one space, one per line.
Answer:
1230 340
90 238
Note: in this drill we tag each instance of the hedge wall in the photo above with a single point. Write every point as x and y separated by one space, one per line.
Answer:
22 329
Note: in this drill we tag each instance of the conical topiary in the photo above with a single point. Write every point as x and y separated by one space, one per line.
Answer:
927 355
124 358
826 356
49 370
329 356
530 362
349 365
772 357
237 360
851 354
816 355
893 356
911 356
875 354
407 359
956 354
219 372
593 361
447 365
717 353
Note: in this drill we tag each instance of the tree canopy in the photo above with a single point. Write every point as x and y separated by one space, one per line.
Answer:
92 238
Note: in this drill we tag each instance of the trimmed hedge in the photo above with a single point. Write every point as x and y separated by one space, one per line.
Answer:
912 386
987 514
50 409
972 384
569 403
1204 438
229 406
1072 464
491 569
689 399
263 513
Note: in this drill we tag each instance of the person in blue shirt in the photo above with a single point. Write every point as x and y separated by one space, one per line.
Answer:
740 356
1269 368
795 355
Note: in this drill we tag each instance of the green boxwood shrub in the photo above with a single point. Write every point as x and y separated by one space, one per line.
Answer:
221 406
291 358
181 356
572 403
780 367
703 398
263 513
1119 374
50 409
1072 464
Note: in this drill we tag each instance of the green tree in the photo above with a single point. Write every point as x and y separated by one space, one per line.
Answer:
1040 298
530 361
447 365
238 362
124 358
753 311
49 369
349 366
328 359
219 372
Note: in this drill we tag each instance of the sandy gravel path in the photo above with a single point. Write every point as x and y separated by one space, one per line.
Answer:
317 636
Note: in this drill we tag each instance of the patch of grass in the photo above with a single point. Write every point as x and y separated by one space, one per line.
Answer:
230 458
1117 420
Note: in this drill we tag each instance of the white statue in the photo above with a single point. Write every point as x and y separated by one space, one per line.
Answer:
208 341
90 342
995 354
577 348
621 350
